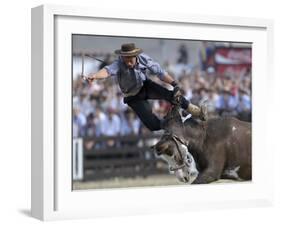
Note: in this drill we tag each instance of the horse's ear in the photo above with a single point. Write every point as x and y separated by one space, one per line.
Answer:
170 112
172 119
173 112
176 109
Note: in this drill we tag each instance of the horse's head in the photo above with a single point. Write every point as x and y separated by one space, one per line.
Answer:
174 150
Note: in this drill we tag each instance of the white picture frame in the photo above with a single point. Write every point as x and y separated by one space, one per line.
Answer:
52 195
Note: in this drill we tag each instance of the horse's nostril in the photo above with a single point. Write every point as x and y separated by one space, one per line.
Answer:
193 174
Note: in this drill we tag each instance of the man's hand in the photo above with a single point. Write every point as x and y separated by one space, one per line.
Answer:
89 79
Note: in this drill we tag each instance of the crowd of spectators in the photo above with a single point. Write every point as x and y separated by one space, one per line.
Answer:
98 110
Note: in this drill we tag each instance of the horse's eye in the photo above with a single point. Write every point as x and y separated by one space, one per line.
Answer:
169 152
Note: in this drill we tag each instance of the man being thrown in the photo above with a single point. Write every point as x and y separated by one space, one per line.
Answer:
130 69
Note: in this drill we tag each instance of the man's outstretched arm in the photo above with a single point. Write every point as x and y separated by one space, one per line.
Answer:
101 74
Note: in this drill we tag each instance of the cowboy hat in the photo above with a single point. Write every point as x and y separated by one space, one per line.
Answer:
128 49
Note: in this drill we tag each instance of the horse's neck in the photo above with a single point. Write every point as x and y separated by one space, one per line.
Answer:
196 134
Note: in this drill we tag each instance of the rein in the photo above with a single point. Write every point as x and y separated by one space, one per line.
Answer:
176 139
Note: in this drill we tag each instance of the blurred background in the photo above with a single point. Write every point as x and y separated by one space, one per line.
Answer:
111 147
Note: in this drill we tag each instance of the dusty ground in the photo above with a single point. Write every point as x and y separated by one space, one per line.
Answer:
159 180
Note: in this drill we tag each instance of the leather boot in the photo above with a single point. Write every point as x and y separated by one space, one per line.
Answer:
199 112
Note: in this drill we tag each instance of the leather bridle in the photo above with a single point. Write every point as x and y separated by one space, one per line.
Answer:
186 161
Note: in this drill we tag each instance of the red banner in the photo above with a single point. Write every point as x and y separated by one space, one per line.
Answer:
232 60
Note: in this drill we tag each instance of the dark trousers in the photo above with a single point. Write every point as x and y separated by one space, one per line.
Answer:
139 103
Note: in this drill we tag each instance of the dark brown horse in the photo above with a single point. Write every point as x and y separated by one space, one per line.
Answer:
220 147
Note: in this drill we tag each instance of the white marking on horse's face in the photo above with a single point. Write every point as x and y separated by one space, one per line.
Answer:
191 169
189 172
233 128
170 160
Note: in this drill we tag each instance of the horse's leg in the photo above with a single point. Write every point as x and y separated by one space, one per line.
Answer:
232 174
214 168
207 176
245 172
